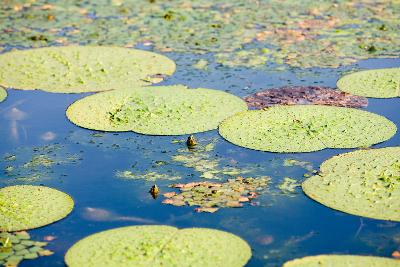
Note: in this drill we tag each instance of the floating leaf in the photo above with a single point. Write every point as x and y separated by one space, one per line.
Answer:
3 94
306 128
26 207
363 182
304 95
20 247
379 83
211 196
159 246
76 69
342 260
163 110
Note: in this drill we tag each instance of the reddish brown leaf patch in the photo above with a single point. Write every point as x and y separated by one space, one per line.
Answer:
304 95
210 196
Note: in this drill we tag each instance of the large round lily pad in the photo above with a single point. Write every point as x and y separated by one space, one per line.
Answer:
162 110
3 94
26 207
159 246
379 83
342 260
75 69
363 182
304 95
305 128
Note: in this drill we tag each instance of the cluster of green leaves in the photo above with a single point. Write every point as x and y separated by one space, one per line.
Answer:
18 246
241 33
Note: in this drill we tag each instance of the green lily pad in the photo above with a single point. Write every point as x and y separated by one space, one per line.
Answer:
163 110
342 260
211 196
379 83
306 128
159 246
363 182
26 207
76 69
15 247
3 94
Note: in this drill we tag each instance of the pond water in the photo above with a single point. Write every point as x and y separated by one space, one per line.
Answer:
279 225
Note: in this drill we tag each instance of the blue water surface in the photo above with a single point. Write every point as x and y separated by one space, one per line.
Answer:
279 228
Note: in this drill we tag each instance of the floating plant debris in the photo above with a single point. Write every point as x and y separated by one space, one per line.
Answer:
18 246
3 94
240 33
203 160
211 196
294 162
306 128
36 164
364 183
162 110
304 95
159 246
76 69
288 185
151 176
342 260
378 83
25 207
